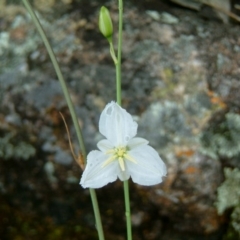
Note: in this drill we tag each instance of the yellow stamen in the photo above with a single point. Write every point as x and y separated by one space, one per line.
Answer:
120 154
121 163
128 157
109 160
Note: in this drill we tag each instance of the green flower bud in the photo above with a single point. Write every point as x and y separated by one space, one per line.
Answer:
105 23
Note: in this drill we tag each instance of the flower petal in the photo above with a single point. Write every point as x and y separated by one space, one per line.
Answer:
96 176
137 142
117 125
122 175
104 145
149 169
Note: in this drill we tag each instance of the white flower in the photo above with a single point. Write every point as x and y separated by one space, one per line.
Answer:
121 155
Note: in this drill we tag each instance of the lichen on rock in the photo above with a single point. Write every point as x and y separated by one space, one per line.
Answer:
20 150
229 192
223 139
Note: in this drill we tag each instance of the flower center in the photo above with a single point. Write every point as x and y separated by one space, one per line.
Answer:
120 151
120 154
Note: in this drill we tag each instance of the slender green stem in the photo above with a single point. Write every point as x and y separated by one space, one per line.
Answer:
119 101
97 214
59 74
113 53
119 54
127 210
71 109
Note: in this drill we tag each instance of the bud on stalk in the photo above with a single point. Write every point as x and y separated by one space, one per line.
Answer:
105 23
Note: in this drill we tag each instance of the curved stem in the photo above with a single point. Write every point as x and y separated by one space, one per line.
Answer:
113 53
59 75
71 109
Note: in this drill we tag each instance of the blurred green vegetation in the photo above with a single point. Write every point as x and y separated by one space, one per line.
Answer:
229 197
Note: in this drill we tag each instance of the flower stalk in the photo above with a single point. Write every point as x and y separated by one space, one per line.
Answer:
127 209
119 101
119 53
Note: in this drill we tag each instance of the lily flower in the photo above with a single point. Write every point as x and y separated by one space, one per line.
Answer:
121 155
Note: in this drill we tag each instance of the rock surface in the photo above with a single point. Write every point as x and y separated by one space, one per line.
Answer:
180 81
